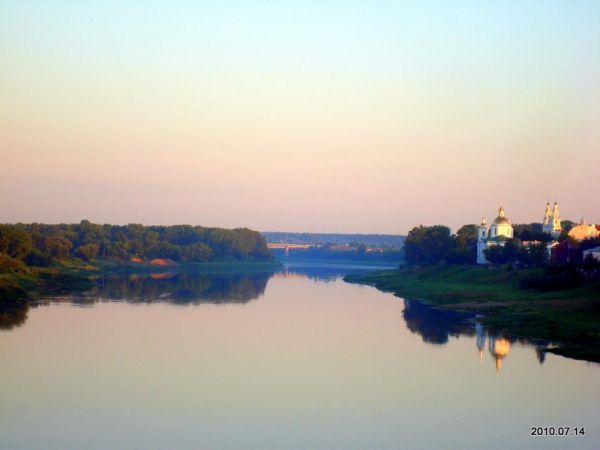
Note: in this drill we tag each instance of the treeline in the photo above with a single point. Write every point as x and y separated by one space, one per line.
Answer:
41 245
436 244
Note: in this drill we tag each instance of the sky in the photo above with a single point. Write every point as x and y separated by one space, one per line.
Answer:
322 116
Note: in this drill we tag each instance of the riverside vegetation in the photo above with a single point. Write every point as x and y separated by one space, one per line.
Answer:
523 294
38 257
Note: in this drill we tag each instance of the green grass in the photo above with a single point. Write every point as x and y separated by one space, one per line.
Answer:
570 317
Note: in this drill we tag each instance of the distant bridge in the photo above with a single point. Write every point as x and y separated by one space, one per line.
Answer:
286 246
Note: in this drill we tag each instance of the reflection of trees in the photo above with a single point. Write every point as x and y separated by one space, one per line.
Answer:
13 313
436 325
180 288
174 288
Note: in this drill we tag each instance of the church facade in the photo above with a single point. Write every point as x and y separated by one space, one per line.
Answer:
501 230
498 233
551 223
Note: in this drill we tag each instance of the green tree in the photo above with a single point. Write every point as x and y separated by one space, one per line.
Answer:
535 255
503 254
58 246
14 242
459 256
198 252
531 232
466 241
466 237
88 251
428 245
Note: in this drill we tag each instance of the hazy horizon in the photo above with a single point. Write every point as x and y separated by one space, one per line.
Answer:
335 117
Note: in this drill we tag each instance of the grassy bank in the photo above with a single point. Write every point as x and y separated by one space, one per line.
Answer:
570 317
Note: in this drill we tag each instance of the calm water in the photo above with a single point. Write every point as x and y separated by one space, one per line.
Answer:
298 359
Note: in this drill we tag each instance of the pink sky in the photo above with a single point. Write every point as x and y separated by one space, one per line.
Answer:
362 119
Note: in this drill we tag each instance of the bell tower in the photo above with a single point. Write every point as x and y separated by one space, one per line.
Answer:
547 219
556 227
552 220
483 233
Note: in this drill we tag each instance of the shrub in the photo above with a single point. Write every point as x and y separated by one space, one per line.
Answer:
8 264
38 259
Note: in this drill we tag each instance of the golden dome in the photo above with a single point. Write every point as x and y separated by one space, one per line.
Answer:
501 219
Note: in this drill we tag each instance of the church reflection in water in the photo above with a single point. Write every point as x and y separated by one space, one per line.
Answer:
436 326
498 346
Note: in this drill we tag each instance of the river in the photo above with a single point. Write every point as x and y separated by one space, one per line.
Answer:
297 359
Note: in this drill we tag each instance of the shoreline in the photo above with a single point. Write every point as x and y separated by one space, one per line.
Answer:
569 318
25 286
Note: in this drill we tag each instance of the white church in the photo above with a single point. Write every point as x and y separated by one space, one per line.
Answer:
502 230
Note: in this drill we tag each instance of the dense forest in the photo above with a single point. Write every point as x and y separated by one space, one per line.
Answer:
42 245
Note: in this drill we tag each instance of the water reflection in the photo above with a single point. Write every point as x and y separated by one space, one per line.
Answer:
436 325
306 365
174 288
498 346
323 272
13 313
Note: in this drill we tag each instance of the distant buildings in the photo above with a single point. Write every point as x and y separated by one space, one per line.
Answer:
502 230
584 231
571 250
567 250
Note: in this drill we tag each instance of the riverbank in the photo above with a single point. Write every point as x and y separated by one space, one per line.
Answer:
569 317
67 277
